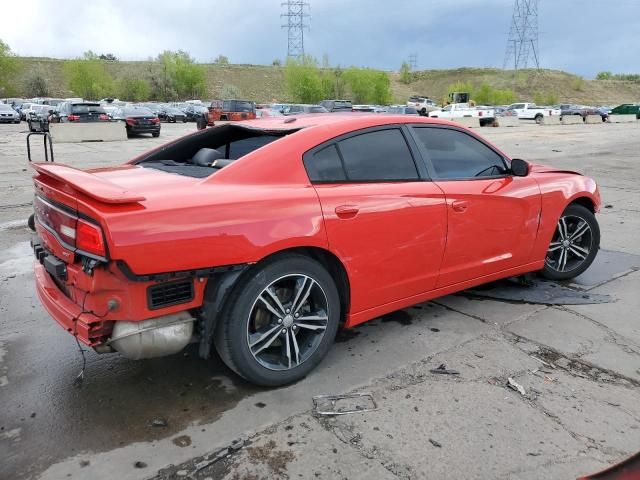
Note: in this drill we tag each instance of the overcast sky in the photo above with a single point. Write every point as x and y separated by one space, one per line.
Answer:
580 36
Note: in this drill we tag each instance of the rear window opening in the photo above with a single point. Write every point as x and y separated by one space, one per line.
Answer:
208 151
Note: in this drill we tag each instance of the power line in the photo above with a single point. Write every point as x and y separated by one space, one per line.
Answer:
522 44
295 13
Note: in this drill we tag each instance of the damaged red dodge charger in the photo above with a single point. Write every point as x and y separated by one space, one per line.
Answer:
261 238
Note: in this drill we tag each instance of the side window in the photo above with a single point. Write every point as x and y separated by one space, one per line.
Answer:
457 155
325 165
382 155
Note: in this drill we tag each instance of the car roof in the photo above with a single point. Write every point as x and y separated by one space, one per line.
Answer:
354 119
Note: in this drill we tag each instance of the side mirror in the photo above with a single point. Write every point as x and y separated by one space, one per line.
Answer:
519 167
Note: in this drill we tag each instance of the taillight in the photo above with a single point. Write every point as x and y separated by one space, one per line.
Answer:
89 238
479 114
73 118
131 121
155 120
104 118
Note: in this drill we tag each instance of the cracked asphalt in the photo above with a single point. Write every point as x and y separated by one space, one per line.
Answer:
176 417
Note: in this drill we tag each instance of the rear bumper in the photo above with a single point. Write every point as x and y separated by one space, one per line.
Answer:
143 128
86 327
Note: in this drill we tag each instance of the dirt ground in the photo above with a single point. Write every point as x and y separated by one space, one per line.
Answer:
180 417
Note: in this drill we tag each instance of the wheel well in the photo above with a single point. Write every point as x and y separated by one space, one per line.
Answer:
585 202
333 265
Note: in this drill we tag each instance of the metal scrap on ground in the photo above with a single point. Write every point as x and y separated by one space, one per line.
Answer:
354 403
443 370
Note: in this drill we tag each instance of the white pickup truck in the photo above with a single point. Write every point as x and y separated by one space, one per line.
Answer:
530 111
423 105
460 110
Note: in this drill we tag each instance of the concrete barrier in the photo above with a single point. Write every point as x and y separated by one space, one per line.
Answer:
508 121
471 122
626 118
87 132
593 119
571 120
551 120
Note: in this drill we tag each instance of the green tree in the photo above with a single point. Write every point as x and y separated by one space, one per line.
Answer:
303 82
175 75
9 68
222 60
36 83
276 62
87 77
133 88
405 73
604 76
367 85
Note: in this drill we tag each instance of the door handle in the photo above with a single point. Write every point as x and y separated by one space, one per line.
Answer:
347 211
459 206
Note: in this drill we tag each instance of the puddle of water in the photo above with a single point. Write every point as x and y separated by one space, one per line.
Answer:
607 265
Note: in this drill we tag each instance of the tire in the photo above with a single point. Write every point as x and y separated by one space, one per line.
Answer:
246 319
538 119
155 134
578 252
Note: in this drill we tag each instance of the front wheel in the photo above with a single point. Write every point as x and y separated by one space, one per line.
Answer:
280 321
155 134
574 245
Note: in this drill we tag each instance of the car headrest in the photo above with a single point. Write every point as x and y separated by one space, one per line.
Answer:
206 156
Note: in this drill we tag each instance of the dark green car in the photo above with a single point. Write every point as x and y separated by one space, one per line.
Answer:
627 108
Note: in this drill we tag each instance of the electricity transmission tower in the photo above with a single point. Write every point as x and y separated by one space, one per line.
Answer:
522 44
295 13
413 61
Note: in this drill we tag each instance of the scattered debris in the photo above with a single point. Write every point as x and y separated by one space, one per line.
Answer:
545 363
435 443
608 205
182 441
84 463
328 404
556 150
433 329
541 292
139 464
260 404
511 383
219 455
442 369
159 422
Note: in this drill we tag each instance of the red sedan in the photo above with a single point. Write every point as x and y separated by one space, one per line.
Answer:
260 239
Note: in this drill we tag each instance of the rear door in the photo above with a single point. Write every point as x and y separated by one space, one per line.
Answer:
492 216
382 216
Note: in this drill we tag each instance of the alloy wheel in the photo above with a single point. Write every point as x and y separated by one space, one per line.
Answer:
571 244
287 322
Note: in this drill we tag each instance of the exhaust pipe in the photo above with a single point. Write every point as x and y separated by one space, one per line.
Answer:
156 337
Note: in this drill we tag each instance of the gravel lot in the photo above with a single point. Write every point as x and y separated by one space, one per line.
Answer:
134 420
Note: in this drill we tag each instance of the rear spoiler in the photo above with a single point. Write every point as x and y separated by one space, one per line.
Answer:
87 183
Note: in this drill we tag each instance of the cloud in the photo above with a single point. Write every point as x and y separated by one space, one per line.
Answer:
375 33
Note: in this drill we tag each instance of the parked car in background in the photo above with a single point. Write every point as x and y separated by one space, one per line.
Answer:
530 111
232 110
25 109
322 223
363 108
461 110
582 110
193 111
154 107
268 112
337 105
8 114
38 118
423 105
627 109
80 112
298 108
402 110
172 114
138 120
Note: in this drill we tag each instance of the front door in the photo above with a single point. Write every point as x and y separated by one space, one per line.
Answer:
492 216
385 222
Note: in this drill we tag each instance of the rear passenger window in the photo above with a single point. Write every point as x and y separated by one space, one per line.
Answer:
457 155
382 155
325 165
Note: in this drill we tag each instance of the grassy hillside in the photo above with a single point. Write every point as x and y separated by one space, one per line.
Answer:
265 83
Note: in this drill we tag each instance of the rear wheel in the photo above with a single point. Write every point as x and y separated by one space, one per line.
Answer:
156 134
280 322
538 119
574 245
